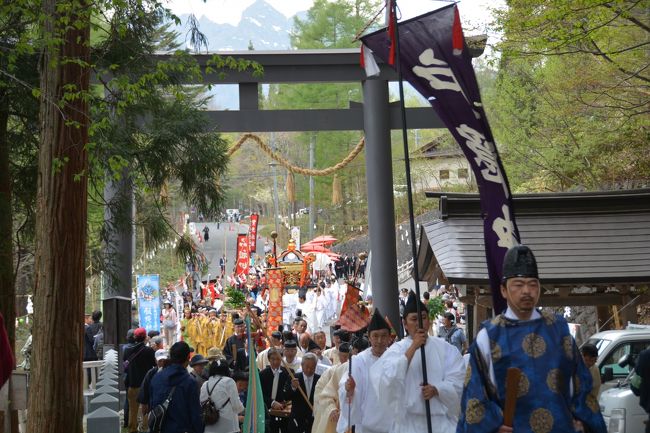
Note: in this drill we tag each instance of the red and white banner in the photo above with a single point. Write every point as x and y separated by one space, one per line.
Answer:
252 233
353 317
275 279
243 255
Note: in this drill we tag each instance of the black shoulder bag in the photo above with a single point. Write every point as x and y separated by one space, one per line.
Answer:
157 414
209 411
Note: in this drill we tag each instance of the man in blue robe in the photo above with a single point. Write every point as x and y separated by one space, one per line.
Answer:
553 391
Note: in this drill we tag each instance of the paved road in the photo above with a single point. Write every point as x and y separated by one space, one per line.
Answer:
223 237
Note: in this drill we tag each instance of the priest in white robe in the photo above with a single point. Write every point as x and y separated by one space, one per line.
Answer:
396 379
289 305
326 395
359 402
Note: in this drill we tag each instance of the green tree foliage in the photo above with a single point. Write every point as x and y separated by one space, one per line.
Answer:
144 122
18 144
570 102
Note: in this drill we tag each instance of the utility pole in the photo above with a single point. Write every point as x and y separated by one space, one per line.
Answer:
312 210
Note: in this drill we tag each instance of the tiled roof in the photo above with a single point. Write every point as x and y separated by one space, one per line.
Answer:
579 238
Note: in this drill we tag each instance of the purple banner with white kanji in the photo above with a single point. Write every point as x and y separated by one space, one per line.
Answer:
435 60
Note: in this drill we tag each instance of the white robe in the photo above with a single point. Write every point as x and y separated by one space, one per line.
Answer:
289 301
364 412
319 306
394 380
326 399
330 308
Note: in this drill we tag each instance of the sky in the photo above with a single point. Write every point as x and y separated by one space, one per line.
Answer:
474 13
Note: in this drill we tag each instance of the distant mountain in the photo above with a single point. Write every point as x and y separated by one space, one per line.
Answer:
260 24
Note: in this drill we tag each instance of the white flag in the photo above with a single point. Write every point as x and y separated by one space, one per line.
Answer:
368 62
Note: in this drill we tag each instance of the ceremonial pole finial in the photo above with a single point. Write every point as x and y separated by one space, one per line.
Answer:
274 236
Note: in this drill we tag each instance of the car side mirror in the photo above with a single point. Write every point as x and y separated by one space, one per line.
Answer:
608 374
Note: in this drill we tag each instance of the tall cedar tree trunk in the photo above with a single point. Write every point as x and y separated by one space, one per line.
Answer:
7 291
56 400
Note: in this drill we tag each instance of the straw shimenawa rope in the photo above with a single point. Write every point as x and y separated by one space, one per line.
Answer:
293 168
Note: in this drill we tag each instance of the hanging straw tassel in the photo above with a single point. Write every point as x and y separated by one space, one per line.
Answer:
291 187
337 191
164 193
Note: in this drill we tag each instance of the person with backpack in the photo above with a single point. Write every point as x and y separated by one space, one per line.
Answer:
219 393
138 360
162 361
174 402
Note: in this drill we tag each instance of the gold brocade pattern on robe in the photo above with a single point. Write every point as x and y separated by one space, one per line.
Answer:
533 345
541 421
553 380
475 411
523 386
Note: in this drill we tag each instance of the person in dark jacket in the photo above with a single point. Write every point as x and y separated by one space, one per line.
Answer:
130 341
162 359
274 379
91 331
238 340
141 358
184 411
642 368
302 415
198 364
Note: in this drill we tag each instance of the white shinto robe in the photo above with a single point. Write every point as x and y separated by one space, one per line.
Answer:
397 386
365 413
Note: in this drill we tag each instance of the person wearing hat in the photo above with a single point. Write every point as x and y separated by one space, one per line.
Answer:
162 361
169 322
326 394
184 411
359 404
235 342
262 357
141 358
214 353
396 378
197 365
553 392
290 351
214 329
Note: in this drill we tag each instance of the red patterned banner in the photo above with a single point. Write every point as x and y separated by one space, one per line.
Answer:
252 233
275 279
353 317
243 257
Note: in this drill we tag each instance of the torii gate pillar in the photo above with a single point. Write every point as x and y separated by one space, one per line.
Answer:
381 209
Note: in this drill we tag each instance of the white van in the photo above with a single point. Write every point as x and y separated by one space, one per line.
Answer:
232 215
619 406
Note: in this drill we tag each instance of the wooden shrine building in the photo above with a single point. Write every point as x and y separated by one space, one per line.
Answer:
592 249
